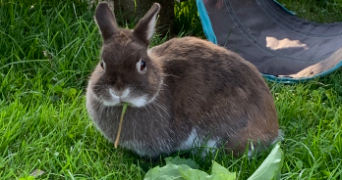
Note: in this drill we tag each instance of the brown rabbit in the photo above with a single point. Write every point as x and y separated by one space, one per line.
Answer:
180 93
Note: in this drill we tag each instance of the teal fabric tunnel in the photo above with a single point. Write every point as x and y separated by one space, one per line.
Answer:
283 47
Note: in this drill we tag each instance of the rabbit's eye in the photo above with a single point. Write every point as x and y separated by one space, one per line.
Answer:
103 65
141 66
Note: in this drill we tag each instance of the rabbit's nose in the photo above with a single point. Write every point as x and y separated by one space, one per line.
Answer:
119 93
119 85
115 93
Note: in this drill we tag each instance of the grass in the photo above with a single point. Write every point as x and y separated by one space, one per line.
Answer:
323 11
48 50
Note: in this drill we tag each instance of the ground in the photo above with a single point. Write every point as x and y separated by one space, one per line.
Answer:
48 49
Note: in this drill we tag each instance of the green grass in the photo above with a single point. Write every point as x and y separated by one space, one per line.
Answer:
323 11
187 21
44 124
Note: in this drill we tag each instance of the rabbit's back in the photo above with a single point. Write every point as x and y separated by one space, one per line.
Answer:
216 92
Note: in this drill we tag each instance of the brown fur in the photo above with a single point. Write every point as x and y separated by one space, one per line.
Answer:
204 87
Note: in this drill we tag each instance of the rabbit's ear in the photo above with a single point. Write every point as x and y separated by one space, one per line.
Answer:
145 27
105 20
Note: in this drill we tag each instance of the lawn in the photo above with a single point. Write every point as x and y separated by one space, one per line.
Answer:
48 49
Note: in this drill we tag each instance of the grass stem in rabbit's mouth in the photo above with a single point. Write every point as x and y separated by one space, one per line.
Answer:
124 107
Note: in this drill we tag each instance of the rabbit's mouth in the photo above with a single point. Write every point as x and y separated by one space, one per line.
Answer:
114 98
128 95
139 101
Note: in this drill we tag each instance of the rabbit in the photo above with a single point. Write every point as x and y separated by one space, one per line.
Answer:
184 93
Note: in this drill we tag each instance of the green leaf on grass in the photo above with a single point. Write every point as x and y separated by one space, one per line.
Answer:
186 169
27 178
177 160
219 172
70 92
270 168
178 168
167 172
299 164
191 174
